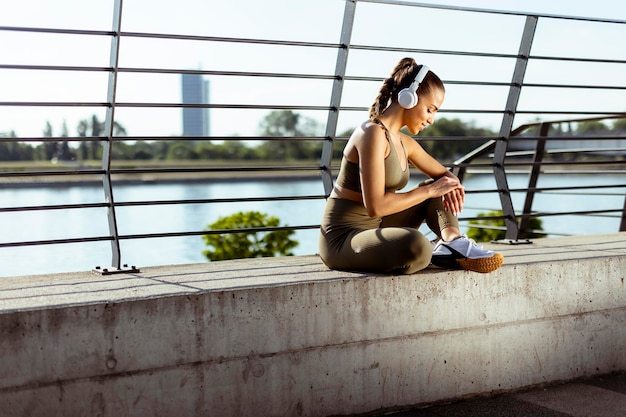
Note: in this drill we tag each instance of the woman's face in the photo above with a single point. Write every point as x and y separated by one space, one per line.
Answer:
423 114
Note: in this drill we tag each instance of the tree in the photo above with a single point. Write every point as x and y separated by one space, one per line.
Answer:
592 127
142 151
286 123
64 153
92 150
247 244
14 151
619 124
181 149
487 234
450 150
50 148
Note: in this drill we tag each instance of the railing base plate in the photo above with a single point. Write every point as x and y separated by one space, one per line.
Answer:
113 270
513 241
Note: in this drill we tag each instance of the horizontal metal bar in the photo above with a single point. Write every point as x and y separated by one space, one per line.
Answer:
160 203
546 190
217 200
225 106
164 138
136 171
489 11
55 139
55 241
251 41
568 213
281 107
53 207
307 76
534 85
213 169
562 188
220 138
483 54
560 163
51 173
573 59
579 112
569 138
217 232
54 68
576 86
464 111
415 51
229 73
52 104
595 213
165 71
168 36
273 168
603 194
162 105
518 131
58 31
154 235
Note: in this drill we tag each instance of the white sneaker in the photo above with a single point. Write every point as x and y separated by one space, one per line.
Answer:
464 253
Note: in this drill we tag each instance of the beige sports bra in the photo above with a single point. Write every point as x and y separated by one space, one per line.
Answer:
395 177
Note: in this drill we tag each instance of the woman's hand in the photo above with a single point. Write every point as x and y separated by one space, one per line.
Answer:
453 193
453 201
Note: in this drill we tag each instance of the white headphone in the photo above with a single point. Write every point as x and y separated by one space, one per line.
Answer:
407 97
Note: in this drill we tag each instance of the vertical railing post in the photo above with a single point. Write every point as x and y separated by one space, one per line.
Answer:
506 127
335 99
622 225
533 179
109 127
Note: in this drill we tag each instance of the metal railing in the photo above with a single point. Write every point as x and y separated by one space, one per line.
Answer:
518 223
495 155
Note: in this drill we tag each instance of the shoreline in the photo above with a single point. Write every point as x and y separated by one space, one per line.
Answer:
157 178
84 180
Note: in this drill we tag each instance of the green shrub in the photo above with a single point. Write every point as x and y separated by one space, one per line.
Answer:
247 244
495 229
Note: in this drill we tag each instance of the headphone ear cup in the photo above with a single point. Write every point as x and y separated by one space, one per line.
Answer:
407 98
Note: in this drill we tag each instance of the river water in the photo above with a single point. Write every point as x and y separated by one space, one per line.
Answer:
83 223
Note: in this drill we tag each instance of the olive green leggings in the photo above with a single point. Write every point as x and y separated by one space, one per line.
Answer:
352 240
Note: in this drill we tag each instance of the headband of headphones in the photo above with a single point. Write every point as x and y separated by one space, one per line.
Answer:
407 97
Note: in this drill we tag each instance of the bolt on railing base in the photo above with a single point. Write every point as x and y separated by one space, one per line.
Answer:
113 270
513 241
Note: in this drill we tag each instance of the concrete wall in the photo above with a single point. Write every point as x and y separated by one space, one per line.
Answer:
289 338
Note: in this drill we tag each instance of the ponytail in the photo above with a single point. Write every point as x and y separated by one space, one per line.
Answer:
401 77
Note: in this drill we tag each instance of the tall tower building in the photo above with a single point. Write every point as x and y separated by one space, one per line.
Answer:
195 91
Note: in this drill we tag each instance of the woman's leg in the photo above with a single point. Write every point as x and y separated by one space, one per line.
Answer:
389 249
442 222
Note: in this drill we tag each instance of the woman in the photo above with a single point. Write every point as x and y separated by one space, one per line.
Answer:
367 225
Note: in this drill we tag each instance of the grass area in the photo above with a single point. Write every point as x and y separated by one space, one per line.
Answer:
45 172
12 166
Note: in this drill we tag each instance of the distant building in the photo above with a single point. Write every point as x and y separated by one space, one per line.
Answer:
195 91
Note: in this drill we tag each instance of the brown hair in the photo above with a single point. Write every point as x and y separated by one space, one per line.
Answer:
401 77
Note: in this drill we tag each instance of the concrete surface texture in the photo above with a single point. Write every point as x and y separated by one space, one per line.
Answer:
288 337
602 396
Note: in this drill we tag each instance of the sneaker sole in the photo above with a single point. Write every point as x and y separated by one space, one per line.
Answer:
482 265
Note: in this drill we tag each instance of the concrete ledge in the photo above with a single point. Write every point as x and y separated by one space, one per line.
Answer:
288 337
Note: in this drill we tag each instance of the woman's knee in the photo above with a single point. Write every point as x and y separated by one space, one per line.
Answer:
418 253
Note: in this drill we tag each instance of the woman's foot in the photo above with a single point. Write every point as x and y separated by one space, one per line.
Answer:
464 253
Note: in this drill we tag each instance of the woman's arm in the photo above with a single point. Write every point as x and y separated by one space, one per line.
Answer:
422 160
372 147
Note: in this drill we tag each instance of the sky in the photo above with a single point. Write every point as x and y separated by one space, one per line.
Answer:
312 21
